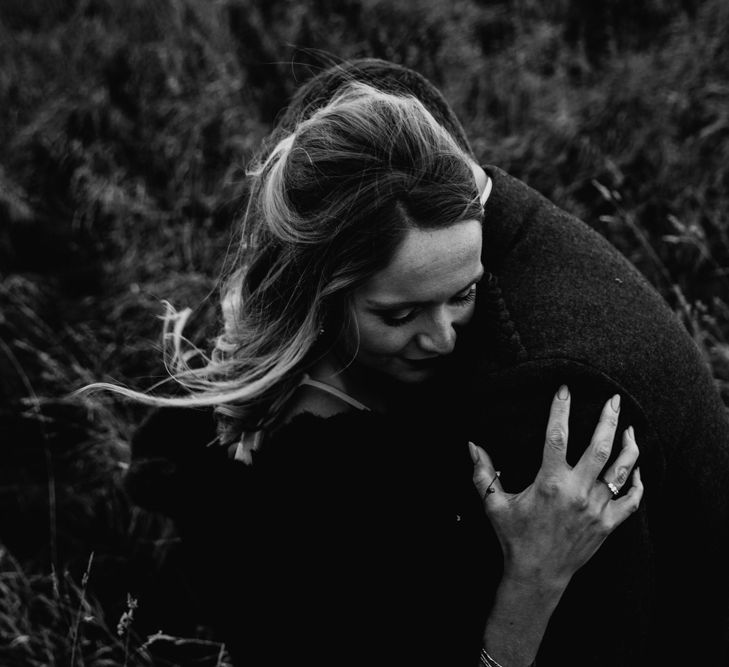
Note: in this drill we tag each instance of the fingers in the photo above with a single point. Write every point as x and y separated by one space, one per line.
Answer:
620 509
554 457
485 478
595 457
619 471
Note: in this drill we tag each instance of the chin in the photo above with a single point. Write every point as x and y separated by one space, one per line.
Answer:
413 376
407 375
393 374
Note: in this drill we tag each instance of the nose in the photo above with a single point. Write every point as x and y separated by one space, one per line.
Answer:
439 336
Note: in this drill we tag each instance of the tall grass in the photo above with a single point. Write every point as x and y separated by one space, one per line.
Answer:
124 130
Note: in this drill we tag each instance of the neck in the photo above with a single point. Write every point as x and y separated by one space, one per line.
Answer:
349 379
377 391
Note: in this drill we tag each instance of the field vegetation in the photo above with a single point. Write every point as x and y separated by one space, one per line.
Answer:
125 127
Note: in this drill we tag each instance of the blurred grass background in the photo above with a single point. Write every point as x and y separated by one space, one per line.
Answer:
124 130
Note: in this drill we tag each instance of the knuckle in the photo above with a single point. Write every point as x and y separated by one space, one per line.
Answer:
556 436
621 474
605 526
549 488
601 453
580 502
497 508
595 513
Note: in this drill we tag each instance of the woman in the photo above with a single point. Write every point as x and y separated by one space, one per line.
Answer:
338 523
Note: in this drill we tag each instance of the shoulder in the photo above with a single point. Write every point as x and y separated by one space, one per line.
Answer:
311 400
364 445
571 293
175 451
582 310
519 219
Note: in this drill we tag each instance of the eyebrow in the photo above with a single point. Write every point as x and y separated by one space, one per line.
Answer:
398 305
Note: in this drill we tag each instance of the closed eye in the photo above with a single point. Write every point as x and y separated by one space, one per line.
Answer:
465 297
398 318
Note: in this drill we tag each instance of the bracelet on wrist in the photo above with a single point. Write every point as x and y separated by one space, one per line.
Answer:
487 661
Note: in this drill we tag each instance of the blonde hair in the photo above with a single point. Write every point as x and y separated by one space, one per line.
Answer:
327 208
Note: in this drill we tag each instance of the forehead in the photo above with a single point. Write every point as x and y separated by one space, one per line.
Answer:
429 265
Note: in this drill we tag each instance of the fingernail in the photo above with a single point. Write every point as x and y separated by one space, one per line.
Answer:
615 402
631 432
474 452
563 393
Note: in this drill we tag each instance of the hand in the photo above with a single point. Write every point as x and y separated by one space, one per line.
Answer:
553 527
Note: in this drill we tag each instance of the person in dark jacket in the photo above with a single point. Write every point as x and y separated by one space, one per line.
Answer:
557 305
567 307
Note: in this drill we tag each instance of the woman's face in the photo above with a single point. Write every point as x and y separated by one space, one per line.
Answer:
407 314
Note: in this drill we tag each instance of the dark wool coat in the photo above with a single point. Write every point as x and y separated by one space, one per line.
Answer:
359 539
570 308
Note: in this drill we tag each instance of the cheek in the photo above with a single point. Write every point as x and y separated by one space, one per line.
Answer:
464 316
378 338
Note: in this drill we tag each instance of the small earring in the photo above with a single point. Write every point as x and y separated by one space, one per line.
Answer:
321 332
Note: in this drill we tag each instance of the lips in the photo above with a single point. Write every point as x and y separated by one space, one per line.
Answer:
427 362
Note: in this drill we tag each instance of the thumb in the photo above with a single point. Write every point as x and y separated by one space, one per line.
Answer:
485 477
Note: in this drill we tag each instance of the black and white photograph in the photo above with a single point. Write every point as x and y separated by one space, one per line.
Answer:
384 333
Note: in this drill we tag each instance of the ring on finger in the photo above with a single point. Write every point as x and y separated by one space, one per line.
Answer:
490 488
613 489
